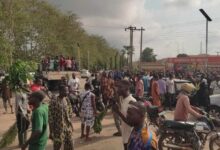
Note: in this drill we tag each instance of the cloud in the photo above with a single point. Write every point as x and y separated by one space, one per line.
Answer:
167 30
182 3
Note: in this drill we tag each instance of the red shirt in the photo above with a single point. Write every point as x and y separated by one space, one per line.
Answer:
36 87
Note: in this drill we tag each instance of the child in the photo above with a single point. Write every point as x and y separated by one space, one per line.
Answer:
141 137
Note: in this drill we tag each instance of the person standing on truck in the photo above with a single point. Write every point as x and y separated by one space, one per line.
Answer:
51 64
61 63
73 83
73 64
56 63
68 64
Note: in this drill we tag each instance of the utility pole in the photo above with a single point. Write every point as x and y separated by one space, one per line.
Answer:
78 49
132 29
208 19
88 59
201 47
116 55
142 29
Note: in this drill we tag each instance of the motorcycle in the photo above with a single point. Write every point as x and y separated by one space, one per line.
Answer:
189 135
154 117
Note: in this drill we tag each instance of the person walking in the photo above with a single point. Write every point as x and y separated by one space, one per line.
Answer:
121 108
117 120
22 119
88 111
6 95
39 121
60 120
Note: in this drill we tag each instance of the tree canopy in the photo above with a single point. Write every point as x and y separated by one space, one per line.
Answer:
148 55
31 29
181 55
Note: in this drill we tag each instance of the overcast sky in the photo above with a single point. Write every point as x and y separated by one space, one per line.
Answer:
172 26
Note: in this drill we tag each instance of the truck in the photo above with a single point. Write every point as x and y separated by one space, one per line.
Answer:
53 78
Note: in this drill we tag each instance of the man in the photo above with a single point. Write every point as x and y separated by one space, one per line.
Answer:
104 88
116 117
73 83
88 111
170 91
6 95
60 116
21 111
96 86
123 90
110 88
38 139
215 85
141 137
68 64
139 87
183 107
162 88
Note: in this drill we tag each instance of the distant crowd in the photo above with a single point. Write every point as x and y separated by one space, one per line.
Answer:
59 63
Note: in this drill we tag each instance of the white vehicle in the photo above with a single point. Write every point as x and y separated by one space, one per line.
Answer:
85 73
214 109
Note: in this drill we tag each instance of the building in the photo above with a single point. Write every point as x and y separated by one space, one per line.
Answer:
192 63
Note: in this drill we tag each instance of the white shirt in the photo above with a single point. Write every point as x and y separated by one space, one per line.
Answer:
74 84
170 86
215 86
125 128
22 102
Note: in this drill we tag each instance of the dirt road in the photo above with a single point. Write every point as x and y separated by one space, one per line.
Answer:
103 141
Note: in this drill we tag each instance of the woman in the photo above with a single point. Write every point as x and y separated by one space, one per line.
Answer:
155 92
88 111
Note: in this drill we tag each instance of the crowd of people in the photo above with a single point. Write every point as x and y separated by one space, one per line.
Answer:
122 92
59 63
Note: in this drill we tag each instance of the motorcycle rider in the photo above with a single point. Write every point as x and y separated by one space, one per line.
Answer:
183 107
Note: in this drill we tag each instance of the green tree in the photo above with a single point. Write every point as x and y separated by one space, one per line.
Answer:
32 29
181 55
148 55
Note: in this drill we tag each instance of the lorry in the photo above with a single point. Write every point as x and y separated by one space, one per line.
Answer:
53 78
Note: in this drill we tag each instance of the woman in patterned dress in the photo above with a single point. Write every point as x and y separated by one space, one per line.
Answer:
88 111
